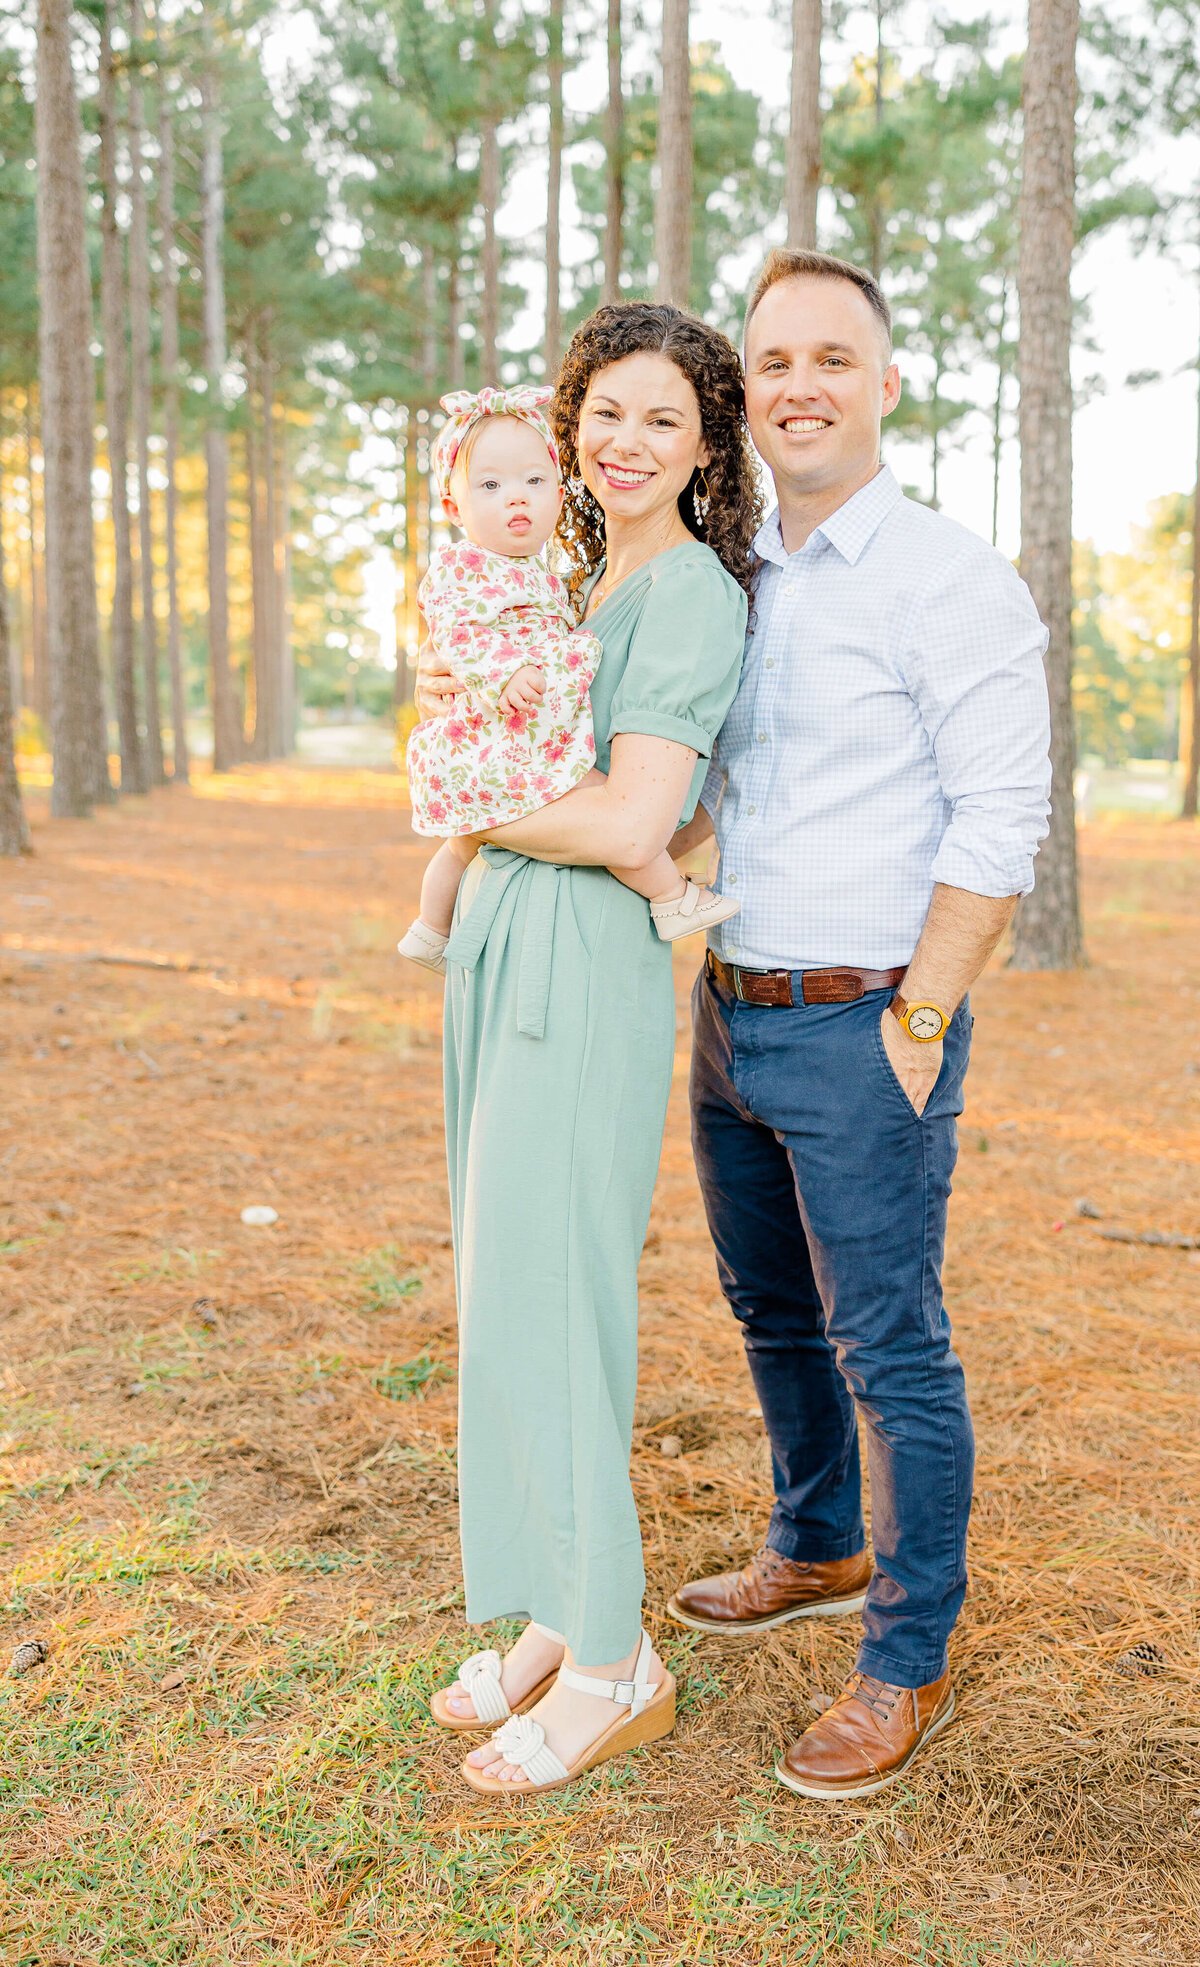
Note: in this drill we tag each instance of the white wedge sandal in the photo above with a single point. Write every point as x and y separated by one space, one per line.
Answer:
479 1677
523 1741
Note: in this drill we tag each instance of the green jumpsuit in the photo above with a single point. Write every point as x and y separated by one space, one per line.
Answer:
560 1035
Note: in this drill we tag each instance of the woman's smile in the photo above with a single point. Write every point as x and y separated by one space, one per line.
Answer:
622 477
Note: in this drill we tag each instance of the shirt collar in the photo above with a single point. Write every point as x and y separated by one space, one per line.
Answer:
849 530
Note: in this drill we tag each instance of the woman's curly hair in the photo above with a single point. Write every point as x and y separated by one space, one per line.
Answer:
710 362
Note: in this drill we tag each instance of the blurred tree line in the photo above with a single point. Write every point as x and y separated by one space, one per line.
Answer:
287 233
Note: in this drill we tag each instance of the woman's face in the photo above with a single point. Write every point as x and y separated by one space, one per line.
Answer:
640 437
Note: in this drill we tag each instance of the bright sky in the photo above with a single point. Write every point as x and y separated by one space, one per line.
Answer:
1132 445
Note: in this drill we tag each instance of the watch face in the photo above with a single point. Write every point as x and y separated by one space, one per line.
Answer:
925 1022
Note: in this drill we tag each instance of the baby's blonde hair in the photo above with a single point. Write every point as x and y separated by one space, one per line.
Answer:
471 438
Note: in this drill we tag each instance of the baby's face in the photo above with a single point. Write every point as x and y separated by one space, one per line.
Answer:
508 495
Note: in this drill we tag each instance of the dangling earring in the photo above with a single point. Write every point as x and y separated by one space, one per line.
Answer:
701 498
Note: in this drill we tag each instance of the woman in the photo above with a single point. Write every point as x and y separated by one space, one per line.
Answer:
559 1045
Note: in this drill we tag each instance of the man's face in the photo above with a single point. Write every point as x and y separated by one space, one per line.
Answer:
819 379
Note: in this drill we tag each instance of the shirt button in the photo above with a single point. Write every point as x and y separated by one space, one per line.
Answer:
733 880
770 664
752 809
762 737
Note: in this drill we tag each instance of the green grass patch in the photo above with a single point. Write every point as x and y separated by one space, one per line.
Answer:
410 1378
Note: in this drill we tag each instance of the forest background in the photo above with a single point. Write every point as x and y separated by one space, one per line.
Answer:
304 223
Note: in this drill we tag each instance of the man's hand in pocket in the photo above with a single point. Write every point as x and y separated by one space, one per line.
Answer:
915 1066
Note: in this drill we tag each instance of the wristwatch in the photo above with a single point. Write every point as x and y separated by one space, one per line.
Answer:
923 1022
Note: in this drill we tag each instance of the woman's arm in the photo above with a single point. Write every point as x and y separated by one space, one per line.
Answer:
622 822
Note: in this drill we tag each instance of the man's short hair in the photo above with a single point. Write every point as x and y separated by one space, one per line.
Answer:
790 263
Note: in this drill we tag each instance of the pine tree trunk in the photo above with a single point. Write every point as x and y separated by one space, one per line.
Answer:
614 146
875 208
139 325
283 562
116 416
259 632
15 667
552 344
673 206
1191 780
1047 933
14 833
39 665
803 162
270 555
169 308
429 310
68 392
453 320
226 722
489 194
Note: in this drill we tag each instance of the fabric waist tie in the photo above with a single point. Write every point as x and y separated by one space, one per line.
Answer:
466 944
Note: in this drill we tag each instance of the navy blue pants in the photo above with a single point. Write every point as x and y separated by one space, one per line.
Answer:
826 1197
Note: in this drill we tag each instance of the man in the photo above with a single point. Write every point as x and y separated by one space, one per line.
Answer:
878 792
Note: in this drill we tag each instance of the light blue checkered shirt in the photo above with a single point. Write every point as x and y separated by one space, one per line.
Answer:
891 730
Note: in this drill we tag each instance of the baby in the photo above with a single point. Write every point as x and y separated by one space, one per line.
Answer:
520 733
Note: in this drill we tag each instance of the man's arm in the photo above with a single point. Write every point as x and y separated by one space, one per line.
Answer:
687 838
961 931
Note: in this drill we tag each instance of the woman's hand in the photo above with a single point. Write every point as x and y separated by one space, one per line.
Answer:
436 688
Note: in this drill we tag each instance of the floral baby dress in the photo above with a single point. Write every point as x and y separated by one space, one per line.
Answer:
488 616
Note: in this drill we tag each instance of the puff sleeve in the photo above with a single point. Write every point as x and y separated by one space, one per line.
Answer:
685 655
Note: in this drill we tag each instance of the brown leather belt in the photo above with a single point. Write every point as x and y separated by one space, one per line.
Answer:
816 986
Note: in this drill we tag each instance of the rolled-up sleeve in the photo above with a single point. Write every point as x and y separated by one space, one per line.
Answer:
976 671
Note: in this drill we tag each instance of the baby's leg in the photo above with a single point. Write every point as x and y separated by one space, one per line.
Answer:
439 889
424 941
659 880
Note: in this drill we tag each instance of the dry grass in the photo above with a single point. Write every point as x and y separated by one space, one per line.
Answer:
238 1496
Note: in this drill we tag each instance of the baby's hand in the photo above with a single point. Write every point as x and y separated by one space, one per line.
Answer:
524 691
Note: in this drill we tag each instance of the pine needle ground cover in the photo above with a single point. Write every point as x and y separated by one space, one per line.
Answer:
227 1455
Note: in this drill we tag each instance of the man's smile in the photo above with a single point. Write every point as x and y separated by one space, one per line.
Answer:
801 426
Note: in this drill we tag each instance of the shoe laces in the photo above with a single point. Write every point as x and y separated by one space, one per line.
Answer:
870 1692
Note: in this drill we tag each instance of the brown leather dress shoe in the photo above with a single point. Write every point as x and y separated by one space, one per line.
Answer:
867 1738
770 1591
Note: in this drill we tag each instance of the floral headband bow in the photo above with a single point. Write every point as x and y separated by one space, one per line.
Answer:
464 408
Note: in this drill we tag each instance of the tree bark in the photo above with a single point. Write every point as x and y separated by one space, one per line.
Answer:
255 718
274 640
14 833
803 161
283 562
875 209
552 343
429 310
39 679
453 320
226 722
139 325
673 208
116 416
489 312
68 392
1047 934
614 145
169 309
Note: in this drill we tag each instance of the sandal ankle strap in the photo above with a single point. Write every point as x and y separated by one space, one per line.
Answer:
633 1694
